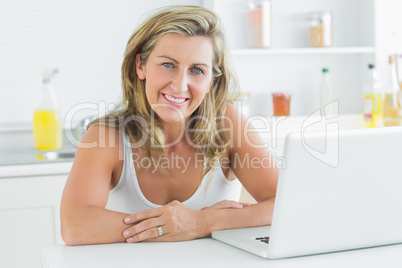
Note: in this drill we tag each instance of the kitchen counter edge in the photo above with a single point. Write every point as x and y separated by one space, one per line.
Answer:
30 170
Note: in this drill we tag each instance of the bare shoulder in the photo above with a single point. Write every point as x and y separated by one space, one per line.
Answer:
231 111
98 157
101 141
97 133
239 126
232 118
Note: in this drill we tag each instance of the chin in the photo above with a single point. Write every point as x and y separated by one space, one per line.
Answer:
169 116
172 120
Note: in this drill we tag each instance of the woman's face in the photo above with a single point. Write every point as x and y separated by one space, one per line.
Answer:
178 75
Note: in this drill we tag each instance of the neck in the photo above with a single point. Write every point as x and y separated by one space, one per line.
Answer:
174 132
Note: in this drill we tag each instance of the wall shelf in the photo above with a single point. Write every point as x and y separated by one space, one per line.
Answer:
302 51
291 64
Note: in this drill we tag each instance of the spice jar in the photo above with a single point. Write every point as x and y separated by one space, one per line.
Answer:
321 29
259 23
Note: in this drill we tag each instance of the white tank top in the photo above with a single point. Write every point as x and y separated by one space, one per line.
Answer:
127 197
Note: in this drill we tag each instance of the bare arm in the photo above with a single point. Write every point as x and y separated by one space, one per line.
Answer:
84 219
255 167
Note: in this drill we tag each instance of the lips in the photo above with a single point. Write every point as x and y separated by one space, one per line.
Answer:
177 101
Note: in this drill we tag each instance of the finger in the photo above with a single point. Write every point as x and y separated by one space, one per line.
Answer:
163 238
147 235
143 215
230 204
142 226
234 204
226 204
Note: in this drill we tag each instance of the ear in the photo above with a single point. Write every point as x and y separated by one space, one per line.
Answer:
139 67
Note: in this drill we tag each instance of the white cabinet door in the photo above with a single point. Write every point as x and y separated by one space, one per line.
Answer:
29 217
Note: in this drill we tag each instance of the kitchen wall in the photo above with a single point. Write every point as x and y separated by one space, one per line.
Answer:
85 40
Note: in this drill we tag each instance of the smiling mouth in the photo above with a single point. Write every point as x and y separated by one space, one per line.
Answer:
175 100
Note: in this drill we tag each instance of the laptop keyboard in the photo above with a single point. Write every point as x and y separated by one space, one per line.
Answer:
264 239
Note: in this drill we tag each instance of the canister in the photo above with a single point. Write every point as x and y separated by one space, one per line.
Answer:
259 23
321 29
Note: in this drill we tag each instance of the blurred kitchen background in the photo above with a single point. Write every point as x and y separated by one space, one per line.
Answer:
86 39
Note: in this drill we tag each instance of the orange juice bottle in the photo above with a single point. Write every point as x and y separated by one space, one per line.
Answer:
47 119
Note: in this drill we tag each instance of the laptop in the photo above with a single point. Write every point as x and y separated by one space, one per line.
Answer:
345 196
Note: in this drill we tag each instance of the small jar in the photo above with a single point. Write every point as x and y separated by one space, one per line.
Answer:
259 23
321 29
281 103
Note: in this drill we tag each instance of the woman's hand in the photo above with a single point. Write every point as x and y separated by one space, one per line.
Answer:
178 222
225 204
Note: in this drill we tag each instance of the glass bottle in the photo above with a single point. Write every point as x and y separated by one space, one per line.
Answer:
392 114
372 99
326 91
47 123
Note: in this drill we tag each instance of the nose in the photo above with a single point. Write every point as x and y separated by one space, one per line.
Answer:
180 82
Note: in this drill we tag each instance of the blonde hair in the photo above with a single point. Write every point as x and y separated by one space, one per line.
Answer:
186 21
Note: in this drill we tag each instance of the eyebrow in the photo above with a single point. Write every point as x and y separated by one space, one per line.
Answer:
162 56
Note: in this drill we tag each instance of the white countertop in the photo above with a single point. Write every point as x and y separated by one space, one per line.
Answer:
42 169
204 253
19 157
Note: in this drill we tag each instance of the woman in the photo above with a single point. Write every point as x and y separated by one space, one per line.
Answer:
168 165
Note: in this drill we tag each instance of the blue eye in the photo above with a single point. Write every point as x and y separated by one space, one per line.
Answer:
167 64
198 70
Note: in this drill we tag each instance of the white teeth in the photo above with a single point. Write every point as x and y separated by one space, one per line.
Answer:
174 99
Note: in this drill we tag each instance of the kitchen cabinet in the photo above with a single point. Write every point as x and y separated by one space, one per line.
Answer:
292 65
29 217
